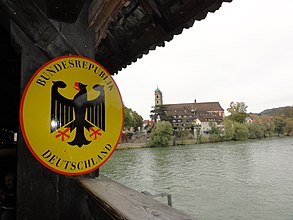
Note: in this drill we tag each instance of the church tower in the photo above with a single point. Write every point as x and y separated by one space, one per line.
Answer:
158 97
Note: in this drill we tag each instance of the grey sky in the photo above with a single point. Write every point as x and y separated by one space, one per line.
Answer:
242 53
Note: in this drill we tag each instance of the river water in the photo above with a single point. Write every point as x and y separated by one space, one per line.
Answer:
233 180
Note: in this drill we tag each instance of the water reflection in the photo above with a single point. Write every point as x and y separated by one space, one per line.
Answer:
235 180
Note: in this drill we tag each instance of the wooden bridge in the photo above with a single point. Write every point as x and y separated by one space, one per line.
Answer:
115 33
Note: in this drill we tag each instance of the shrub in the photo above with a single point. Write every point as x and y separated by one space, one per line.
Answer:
161 134
240 132
255 131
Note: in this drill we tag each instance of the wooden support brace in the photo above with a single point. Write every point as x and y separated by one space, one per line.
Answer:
39 29
159 14
105 12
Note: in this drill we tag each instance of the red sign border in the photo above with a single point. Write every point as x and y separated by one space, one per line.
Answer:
22 122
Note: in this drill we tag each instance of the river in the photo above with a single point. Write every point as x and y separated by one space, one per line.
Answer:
232 180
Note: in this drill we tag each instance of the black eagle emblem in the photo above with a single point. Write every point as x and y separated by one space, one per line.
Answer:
78 113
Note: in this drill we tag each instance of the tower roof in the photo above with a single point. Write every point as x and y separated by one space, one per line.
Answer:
158 91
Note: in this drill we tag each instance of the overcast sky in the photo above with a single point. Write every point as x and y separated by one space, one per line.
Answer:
243 53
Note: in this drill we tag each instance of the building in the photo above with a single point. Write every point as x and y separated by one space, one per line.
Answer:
251 117
190 115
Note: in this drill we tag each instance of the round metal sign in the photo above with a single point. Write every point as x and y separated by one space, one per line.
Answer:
71 115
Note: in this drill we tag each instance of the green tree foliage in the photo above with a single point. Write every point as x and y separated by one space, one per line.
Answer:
181 134
161 134
255 131
216 133
240 132
128 120
132 119
280 124
289 127
214 128
160 112
229 130
138 121
267 125
237 112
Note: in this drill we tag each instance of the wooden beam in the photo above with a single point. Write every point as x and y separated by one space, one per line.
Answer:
39 29
102 14
7 152
64 10
160 15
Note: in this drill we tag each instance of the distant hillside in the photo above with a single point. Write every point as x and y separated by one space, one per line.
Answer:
281 111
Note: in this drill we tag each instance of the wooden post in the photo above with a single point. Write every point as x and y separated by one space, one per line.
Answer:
41 193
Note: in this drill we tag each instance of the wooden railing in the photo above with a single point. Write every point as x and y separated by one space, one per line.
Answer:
108 199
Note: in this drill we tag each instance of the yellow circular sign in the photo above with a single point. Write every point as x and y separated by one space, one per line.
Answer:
71 115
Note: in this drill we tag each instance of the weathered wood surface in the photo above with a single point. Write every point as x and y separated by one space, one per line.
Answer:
127 31
124 29
41 193
40 30
7 160
102 14
120 202
7 152
65 10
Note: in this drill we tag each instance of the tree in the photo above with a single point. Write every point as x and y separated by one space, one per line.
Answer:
132 119
237 112
181 133
229 130
289 126
267 125
160 112
240 132
161 134
137 120
280 124
215 132
128 119
255 131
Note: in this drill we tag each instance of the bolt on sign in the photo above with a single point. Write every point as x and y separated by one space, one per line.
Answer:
71 115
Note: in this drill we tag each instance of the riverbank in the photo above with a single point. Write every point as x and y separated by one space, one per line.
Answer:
134 145
125 146
138 145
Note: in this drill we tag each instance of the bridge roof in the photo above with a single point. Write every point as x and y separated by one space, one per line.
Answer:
126 30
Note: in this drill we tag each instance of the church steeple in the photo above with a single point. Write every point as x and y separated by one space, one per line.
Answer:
158 97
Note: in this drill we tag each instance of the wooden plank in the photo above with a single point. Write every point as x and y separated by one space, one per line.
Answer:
40 30
64 10
160 15
121 202
102 14
7 151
